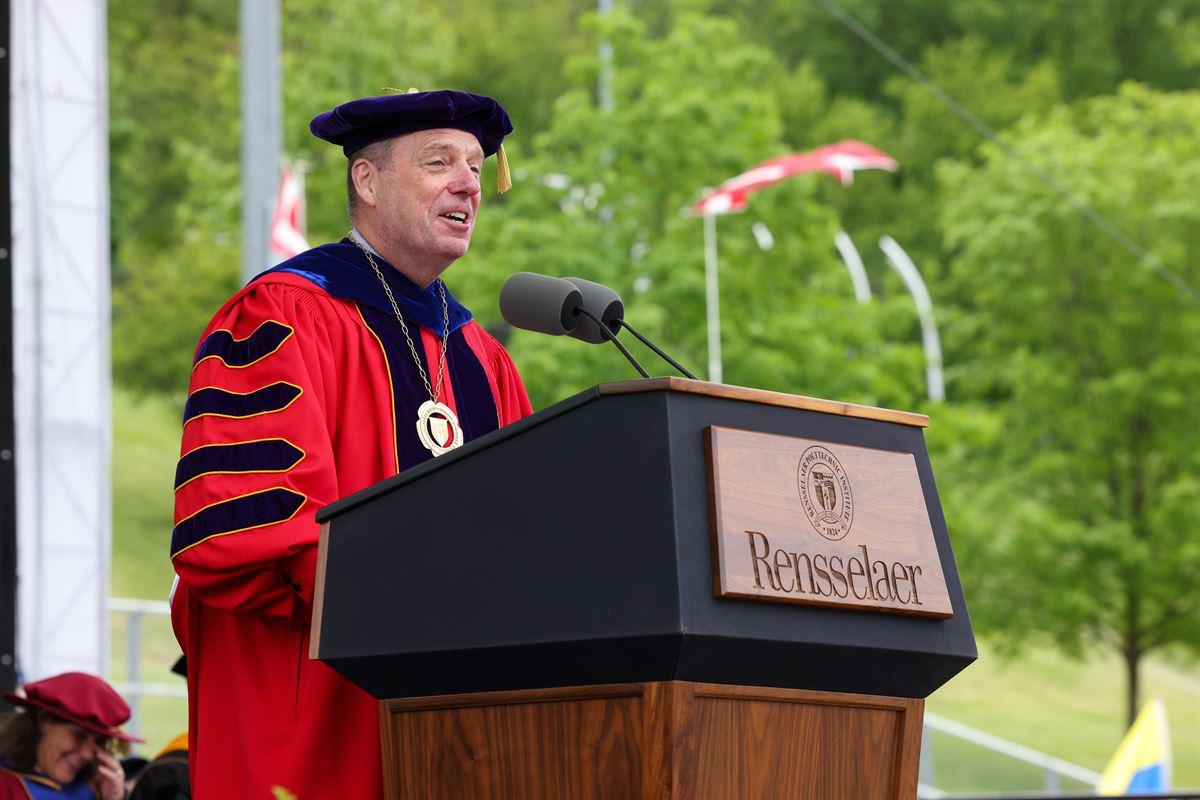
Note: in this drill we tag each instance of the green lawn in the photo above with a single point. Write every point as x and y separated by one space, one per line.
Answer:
1069 709
145 449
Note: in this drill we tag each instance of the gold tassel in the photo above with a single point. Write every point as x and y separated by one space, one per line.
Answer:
394 90
503 175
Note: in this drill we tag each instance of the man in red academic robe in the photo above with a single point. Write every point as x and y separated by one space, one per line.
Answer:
324 375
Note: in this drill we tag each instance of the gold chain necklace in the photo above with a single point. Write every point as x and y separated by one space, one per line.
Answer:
437 425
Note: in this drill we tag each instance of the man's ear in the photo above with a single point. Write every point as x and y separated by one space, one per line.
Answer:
364 174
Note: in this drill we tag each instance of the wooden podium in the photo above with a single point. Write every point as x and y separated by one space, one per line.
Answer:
656 589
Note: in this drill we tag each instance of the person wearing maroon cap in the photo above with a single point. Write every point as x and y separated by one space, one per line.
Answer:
328 373
55 744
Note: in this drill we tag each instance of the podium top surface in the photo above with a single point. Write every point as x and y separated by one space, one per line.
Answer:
669 384
764 397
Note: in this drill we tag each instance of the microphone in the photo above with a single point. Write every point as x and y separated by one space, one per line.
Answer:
583 309
554 306
603 303
540 303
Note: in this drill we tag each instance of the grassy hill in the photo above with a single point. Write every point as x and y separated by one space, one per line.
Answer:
1070 709
145 449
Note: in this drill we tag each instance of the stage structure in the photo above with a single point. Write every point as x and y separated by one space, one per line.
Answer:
8 475
60 284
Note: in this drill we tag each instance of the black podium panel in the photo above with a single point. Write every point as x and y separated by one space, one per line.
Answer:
826 649
574 548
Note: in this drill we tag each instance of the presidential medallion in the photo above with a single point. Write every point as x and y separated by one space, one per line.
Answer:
437 428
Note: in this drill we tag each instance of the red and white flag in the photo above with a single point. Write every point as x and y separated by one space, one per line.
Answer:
287 238
841 160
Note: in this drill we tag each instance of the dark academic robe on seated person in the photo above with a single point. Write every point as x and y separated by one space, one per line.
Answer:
303 391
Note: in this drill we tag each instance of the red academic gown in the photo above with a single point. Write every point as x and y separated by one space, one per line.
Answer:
303 391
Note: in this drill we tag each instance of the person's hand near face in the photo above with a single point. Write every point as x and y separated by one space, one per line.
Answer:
109 783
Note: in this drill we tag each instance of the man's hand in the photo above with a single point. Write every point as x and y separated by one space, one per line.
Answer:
109 783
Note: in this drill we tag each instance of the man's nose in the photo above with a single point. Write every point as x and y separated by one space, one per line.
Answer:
466 181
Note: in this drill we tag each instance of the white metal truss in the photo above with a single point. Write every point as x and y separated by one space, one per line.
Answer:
61 333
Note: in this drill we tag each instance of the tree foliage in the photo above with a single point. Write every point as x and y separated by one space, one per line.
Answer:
1090 360
601 198
175 195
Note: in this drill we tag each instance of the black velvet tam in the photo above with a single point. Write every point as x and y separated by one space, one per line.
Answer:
359 123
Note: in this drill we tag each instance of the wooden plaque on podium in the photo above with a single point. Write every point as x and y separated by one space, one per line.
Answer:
536 611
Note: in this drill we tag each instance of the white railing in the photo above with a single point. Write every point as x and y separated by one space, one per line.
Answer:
1053 768
133 688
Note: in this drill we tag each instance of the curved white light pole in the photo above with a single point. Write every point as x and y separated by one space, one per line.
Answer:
916 287
849 253
763 236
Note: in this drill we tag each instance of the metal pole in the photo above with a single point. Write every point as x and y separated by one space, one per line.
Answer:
261 126
8 466
929 334
133 667
925 769
712 299
605 92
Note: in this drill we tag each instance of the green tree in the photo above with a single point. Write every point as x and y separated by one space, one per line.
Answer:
1085 530
1095 45
174 175
601 195
175 112
515 50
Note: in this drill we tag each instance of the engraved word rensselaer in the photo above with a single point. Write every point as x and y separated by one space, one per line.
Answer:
825 493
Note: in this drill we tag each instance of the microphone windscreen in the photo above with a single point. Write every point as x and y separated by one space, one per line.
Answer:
604 303
540 303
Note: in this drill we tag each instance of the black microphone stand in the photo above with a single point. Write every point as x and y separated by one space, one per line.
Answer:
612 338
656 349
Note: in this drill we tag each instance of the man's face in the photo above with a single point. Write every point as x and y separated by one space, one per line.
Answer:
428 197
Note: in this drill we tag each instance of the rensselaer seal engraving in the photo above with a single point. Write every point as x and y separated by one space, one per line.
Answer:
825 493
